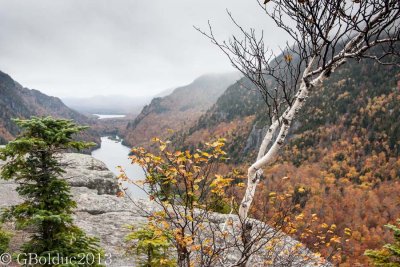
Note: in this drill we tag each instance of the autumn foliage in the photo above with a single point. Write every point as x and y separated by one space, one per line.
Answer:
344 152
187 188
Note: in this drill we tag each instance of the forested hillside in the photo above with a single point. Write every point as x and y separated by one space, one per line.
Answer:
17 101
178 110
236 113
343 153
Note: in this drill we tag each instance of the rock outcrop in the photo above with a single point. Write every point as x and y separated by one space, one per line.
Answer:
101 213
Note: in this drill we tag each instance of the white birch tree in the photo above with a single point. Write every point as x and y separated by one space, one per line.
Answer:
324 35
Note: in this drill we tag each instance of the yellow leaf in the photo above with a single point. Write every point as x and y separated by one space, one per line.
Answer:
288 58
206 154
324 225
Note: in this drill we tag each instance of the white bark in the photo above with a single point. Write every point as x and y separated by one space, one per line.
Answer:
263 159
255 170
285 121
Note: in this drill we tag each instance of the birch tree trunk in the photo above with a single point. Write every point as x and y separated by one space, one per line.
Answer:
265 157
282 124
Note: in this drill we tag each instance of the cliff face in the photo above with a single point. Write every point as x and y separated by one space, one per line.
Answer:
17 101
178 110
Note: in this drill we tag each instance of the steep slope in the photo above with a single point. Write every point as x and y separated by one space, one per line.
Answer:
178 110
20 102
344 150
233 117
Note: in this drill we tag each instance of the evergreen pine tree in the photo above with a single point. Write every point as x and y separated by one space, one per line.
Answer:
33 162
389 255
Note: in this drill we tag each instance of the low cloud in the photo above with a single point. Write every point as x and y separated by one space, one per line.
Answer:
130 47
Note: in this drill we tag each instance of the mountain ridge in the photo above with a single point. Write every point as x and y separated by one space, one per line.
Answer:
20 102
177 110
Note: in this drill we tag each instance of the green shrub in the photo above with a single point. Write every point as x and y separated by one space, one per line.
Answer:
4 240
389 255
151 244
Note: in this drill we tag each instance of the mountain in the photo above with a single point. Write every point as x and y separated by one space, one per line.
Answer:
178 110
17 101
164 92
235 114
343 151
111 104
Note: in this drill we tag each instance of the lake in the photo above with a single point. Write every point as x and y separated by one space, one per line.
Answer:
106 116
114 154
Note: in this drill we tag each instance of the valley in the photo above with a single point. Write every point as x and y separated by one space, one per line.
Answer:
200 133
344 155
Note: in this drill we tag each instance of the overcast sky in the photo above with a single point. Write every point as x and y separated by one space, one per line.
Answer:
129 47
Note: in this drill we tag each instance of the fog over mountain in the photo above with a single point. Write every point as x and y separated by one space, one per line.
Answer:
179 109
107 104
137 48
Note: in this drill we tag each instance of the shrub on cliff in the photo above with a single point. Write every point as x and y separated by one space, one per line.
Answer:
33 162
389 255
4 240
151 245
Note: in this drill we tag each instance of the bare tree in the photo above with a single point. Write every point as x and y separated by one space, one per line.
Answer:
324 35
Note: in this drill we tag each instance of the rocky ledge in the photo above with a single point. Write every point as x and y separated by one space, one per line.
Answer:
99 211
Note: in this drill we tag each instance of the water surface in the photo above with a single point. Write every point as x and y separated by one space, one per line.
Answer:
114 154
109 116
